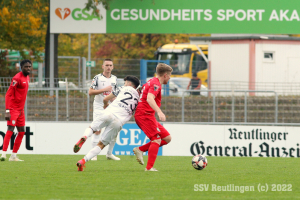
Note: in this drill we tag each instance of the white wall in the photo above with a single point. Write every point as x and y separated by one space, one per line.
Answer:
229 62
284 69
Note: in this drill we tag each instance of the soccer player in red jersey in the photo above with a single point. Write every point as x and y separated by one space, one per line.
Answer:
14 103
150 101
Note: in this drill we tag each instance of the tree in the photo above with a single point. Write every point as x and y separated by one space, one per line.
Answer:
5 70
136 46
23 25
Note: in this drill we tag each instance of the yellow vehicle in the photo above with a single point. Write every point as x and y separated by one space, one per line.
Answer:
185 59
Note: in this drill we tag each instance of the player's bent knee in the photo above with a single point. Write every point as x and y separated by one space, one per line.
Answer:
101 145
168 139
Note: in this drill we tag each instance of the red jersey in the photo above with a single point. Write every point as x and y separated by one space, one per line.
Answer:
16 94
153 86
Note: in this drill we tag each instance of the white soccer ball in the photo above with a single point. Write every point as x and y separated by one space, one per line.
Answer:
199 162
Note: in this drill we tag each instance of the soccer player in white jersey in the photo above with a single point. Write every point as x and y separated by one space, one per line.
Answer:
101 86
113 117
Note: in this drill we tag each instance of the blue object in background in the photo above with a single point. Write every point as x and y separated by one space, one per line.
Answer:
129 137
143 73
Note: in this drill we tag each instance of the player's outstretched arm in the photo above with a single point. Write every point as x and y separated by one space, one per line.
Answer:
107 98
95 92
153 105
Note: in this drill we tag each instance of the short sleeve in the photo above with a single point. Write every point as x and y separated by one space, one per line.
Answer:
116 85
94 84
154 88
117 90
14 82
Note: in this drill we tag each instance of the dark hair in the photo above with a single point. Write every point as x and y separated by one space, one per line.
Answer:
107 59
23 62
133 79
194 74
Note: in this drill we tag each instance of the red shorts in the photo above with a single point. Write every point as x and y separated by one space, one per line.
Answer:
17 118
151 127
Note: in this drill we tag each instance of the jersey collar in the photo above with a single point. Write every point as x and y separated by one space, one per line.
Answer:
105 76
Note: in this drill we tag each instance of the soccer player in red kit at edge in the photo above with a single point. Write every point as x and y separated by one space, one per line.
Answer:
150 101
14 103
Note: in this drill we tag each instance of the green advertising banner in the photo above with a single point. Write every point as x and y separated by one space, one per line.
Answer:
177 16
199 16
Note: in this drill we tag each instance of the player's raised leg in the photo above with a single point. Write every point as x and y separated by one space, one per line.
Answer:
139 151
146 146
88 132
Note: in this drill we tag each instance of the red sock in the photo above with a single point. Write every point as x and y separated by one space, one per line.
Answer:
18 142
6 140
145 147
152 154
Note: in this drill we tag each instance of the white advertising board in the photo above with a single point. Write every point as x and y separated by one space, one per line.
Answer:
50 138
232 140
187 140
60 138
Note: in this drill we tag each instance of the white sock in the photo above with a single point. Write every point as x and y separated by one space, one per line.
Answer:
3 154
13 155
95 140
111 147
88 132
92 153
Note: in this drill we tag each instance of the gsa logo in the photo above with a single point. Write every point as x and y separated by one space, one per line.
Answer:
129 137
77 14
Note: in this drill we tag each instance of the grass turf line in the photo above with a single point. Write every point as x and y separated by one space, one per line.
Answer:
56 177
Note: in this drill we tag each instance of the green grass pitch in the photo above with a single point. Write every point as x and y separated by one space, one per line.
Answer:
56 177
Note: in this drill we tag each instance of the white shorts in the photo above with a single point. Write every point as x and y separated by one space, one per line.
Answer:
97 112
112 126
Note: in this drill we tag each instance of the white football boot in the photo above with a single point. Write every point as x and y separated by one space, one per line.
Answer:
15 159
151 170
112 157
139 155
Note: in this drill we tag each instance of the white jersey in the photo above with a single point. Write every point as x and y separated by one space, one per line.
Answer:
125 103
100 82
